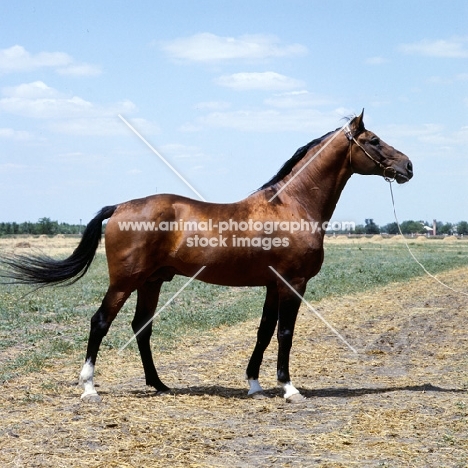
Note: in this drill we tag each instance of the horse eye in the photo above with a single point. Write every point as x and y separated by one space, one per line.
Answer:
375 141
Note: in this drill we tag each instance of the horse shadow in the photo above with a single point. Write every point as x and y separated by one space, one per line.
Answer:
232 393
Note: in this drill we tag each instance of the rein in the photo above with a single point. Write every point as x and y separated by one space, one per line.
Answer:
349 135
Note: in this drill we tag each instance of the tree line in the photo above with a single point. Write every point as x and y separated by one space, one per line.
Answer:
413 227
51 228
42 226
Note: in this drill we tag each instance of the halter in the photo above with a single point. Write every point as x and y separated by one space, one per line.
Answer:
349 135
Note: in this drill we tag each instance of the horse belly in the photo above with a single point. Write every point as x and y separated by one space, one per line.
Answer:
246 266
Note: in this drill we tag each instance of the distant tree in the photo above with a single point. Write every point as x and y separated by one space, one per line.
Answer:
42 226
65 228
462 228
371 227
360 229
445 228
28 228
413 227
47 226
391 228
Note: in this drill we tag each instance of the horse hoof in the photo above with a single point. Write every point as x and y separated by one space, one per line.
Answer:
296 398
163 392
257 396
91 398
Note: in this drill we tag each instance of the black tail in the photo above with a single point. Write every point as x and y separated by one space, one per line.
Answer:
44 271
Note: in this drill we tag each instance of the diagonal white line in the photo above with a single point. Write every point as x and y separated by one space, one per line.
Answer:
308 162
162 308
314 311
156 152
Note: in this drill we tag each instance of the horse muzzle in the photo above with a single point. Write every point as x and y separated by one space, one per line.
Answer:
403 174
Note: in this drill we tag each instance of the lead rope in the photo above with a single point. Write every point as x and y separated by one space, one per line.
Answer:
412 254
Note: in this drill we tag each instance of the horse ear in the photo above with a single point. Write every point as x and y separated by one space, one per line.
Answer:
360 122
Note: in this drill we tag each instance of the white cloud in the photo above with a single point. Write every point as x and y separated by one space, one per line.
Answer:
414 131
376 60
207 47
10 134
417 130
145 127
435 135
83 69
104 121
297 99
93 126
451 48
13 168
46 107
36 89
135 172
180 151
266 81
213 105
18 59
37 100
190 127
448 80
273 120
69 114
286 111
380 103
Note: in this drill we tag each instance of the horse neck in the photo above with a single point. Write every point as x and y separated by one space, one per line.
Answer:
319 185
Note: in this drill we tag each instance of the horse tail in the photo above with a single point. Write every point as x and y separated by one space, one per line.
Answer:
46 271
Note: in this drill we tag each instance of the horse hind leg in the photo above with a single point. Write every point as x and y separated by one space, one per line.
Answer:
147 302
264 335
288 309
100 324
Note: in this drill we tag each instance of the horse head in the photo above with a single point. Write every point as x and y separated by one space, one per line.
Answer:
369 154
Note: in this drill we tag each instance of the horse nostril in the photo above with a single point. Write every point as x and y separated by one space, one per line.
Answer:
409 167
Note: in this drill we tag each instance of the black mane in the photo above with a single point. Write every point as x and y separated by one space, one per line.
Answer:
290 163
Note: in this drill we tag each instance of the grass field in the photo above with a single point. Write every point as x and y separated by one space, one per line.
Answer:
36 326
401 401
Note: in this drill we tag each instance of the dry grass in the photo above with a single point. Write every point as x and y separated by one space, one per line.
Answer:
402 401
54 246
397 239
64 245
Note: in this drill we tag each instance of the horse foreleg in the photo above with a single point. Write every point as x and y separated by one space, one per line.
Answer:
142 325
100 324
264 335
288 308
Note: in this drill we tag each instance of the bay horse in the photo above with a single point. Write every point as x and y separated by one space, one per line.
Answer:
179 240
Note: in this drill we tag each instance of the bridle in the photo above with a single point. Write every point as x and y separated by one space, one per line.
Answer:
390 177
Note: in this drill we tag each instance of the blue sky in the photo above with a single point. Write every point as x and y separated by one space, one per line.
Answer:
226 92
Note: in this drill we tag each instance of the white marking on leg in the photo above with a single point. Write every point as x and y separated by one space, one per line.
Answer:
255 387
289 389
86 379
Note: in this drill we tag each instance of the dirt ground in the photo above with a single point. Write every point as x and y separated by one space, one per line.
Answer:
402 401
